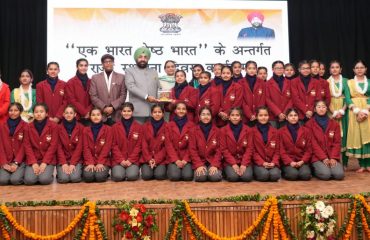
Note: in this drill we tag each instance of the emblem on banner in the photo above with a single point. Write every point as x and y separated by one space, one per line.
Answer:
170 23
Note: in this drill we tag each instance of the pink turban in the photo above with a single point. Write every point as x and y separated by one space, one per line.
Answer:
255 14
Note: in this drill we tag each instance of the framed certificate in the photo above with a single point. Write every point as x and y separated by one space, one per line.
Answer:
164 95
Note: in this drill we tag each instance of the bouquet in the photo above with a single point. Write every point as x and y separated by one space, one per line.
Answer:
135 222
318 221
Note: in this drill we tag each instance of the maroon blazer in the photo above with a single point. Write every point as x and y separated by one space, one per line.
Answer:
12 147
253 99
325 91
43 148
268 152
203 151
153 147
236 152
78 96
56 100
205 100
177 144
291 151
278 101
305 100
70 147
97 152
189 97
232 98
126 148
325 145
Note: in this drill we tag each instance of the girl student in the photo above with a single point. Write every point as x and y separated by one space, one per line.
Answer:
25 95
196 70
295 148
254 93
127 140
204 94
51 91
305 91
228 94
322 70
183 92
153 158
236 147
41 147
97 144
357 94
338 107
178 133
236 66
324 86
69 168
262 73
204 148
217 74
77 92
326 144
266 155
12 154
289 71
278 95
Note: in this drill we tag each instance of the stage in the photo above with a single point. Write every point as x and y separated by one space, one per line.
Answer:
226 218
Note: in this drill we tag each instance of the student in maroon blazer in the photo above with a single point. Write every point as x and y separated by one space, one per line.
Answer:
324 85
295 148
326 144
153 147
278 95
178 133
236 147
183 92
266 153
236 66
97 144
77 92
217 74
12 135
305 91
69 168
41 147
51 91
254 92
204 94
204 148
229 94
127 139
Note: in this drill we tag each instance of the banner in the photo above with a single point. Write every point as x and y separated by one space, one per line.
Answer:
186 31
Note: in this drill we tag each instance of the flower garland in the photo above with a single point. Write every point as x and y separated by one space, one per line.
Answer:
174 233
335 93
358 88
90 224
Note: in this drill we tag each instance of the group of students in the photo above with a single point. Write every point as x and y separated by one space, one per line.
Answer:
232 126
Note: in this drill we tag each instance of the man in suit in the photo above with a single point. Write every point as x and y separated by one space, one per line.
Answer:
142 84
108 90
257 30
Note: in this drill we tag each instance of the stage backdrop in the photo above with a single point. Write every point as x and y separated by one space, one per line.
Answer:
186 31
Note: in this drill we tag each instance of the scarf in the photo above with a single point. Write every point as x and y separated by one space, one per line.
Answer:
83 78
251 81
95 128
203 89
217 80
290 78
305 80
206 129
40 125
69 126
323 121
225 86
237 78
279 80
237 129
179 87
156 125
293 129
180 122
12 125
127 125
194 83
264 130
52 82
